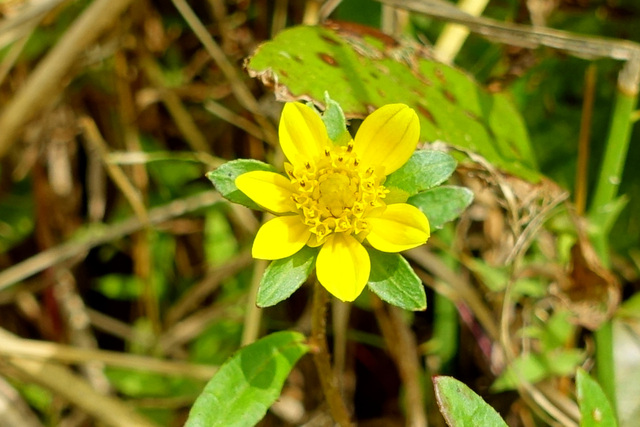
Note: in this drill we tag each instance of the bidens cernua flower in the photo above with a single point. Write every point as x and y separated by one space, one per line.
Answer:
334 196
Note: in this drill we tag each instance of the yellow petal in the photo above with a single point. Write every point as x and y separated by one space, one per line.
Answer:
280 237
388 137
303 135
343 266
400 227
270 190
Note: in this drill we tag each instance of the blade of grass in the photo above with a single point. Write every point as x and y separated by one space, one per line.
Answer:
453 36
44 82
524 35
11 346
240 90
253 313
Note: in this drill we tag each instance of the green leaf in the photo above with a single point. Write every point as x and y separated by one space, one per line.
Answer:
246 386
424 170
334 120
365 70
557 330
494 278
442 204
220 242
224 177
536 367
595 409
462 407
284 276
395 282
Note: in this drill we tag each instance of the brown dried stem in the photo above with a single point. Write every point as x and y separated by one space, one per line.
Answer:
48 78
401 345
322 359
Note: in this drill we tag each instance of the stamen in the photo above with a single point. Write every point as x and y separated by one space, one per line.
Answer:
334 195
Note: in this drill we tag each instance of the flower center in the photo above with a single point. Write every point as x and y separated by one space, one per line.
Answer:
335 193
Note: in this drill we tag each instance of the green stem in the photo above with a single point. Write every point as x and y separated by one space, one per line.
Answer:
616 153
605 365
323 360
602 215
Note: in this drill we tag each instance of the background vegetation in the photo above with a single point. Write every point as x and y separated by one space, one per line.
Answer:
126 280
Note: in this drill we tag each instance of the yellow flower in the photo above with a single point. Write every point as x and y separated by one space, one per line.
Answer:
333 195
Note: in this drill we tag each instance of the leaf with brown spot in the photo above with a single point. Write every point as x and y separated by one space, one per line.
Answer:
363 69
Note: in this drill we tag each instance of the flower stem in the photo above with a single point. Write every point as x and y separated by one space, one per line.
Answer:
322 359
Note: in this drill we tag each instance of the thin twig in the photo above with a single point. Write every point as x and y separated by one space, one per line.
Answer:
340 315
29 12
279 19
253 313
311 12
583 140
462 289
235 119
142 157
240 90
47 80
118 176
14 410
322 359
523 35
64 383
14 53
112 326
67 250
453 36
191 327
327 9
78 327
199 292
181 117
402 347
15 347
534 397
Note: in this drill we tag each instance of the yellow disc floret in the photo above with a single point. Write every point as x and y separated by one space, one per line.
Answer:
334 193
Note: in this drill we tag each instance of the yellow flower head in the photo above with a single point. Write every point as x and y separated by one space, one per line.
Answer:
334 196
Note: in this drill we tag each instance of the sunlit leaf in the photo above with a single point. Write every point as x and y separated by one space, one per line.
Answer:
224 178
442 204
424 170
284 276
395 282
595 409
462 407
363 70
246 386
